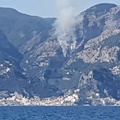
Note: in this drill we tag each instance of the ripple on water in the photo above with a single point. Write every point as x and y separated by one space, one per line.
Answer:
59 113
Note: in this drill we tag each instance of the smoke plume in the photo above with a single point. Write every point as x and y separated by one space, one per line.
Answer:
65 25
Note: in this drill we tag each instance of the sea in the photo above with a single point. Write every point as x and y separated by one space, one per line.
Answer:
59 113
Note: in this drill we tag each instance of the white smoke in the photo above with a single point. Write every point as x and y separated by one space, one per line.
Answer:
65 25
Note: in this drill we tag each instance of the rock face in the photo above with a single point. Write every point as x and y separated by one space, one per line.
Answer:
88 76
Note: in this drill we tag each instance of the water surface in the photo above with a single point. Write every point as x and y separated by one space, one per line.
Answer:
59 113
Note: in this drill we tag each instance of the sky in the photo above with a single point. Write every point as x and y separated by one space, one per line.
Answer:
48 8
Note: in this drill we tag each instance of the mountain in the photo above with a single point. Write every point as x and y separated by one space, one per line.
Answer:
90 75
20 28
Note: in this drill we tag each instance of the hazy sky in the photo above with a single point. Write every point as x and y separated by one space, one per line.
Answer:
47 8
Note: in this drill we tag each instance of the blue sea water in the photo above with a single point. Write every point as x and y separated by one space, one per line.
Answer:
59 113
